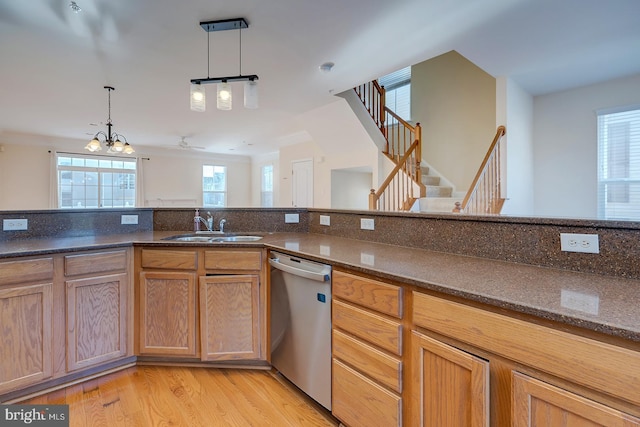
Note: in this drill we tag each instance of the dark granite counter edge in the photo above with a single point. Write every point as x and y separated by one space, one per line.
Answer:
40 247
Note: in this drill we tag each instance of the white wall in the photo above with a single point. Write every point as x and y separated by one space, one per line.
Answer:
350 189
169 176
514 110
565 145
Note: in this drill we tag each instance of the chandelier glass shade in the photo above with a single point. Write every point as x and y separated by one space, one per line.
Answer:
224 94
112 140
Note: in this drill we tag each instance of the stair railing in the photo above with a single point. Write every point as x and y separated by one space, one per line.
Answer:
399 191
485 194
403 146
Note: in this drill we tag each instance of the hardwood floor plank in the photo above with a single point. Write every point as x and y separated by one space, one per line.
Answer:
150 396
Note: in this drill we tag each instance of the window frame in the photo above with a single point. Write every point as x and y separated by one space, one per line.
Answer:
130 179
214 192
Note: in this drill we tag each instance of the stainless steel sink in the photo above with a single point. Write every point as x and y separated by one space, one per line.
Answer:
215 239
236 239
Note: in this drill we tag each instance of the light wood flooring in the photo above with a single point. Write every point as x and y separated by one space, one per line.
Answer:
184 396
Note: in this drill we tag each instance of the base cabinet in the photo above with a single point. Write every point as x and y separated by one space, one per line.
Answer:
367 350
25 335
96 320
536 403
168 313
450 387
201 303
229 322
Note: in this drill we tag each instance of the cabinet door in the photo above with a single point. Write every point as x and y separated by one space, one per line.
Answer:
229 320
168 313
536 403
25 335
450 387
96 320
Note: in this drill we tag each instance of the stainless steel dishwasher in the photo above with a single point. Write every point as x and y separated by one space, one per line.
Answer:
301 324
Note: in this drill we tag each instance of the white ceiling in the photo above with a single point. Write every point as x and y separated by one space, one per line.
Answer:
54 63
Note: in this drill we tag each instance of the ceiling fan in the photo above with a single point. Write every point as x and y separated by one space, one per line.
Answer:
184 145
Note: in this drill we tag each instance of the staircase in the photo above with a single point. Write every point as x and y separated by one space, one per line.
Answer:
408 182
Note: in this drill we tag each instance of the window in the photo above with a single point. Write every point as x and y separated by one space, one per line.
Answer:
214 185
619 164
398 92
95 181
266 194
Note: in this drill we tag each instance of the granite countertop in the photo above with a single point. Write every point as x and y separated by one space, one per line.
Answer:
599 303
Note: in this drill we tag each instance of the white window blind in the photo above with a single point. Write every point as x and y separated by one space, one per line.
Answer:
619 164
398 92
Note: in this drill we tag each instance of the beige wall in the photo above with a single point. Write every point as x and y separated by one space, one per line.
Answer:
170 177
455 102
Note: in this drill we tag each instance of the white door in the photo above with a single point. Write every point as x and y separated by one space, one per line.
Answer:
302 182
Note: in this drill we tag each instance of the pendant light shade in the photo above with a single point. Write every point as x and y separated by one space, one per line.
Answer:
197 98
251 94
224 100
224 96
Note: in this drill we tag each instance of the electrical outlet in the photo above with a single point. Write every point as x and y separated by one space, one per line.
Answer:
367 224
325 220
574 242
14 224
291 218
128 219
325 250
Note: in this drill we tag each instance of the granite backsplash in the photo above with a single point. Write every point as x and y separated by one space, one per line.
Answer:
534 241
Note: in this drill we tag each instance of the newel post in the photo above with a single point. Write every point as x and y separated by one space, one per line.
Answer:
372 200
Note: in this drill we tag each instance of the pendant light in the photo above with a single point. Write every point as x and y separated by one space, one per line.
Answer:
224 94
111 139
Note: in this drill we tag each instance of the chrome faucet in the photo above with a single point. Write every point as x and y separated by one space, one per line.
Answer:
222 223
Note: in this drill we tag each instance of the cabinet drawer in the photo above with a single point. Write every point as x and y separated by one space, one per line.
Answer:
377 330
358 401
26 271
380 366
233 260
593 364
175 260
98 262
379 296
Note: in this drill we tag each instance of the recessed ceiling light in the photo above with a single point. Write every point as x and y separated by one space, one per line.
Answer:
326 67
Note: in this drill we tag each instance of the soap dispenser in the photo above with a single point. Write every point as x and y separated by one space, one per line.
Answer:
196 221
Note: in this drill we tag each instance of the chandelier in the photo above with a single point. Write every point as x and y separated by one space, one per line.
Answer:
112 140
224 94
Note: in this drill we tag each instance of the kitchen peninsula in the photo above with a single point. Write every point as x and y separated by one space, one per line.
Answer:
491 310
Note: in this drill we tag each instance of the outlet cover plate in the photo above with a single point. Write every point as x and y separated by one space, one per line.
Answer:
291 218
575 242
325 220
128 219
14 224
367 224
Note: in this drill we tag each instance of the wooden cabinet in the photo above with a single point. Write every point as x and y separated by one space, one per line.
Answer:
367 350
566 379
168 313
450 386
229 322
97 306
536 403
26 319
201 303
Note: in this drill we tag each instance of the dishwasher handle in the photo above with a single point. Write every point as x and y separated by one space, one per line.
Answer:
319 277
